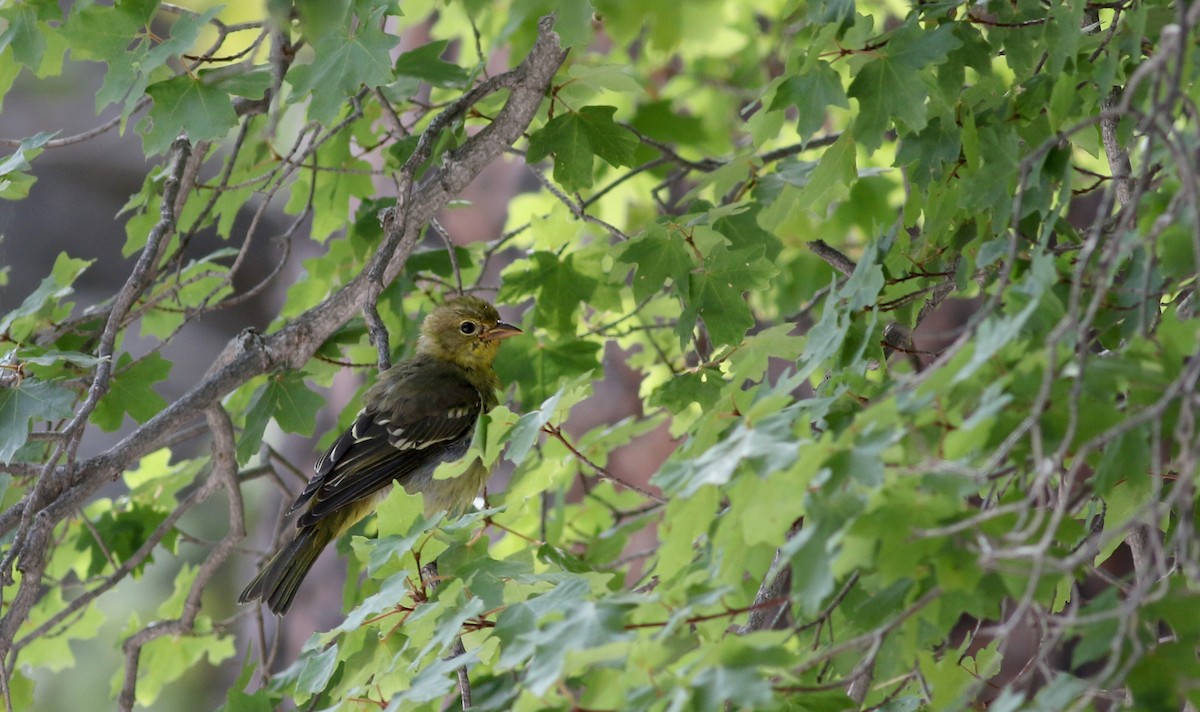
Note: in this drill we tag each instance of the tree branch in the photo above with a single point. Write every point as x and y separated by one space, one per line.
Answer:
224 474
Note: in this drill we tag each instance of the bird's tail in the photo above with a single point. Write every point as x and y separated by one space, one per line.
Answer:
279 580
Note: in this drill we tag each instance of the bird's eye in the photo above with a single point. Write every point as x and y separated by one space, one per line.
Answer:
467 327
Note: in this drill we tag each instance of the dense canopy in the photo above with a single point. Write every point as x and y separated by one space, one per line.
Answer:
859 369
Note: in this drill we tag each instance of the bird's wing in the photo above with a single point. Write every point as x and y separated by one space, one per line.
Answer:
417 423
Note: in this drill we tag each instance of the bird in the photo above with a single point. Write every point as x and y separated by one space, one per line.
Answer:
419 413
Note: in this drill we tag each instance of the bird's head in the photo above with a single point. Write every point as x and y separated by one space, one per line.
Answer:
466 331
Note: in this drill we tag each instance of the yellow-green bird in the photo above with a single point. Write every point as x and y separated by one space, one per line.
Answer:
419 414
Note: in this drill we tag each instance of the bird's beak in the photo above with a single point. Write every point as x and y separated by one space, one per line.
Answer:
501 331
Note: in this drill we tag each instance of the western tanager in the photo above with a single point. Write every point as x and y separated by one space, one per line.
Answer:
420 413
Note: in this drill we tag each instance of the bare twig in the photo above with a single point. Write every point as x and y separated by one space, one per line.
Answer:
556 432
832 256
451 251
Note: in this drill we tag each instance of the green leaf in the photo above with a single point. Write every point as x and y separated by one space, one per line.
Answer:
54 653
438 262
1125 458
317 669
1161 680
769 442
992 335
1097 638
121 37
175 656
703 387
836 169
392 548
15 178
131 391
186 103
686 520
658 255
574 137
296 406
886 91
812 93
811 551
391 592
1062 691
564 138
120 535
557 286
27 40
613 144
862 289
750 359
742 229
46 301
541 648
929 151
155 480
525 433
286 399
573 21
659 120
102 33
715 293
538 365
914 47
740 677
9 70
52 358
350 52
332 191
891 87
262 700
426 63
434 681
250 85
28 400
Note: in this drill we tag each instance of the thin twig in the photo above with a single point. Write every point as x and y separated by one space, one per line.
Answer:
556 432
451 251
